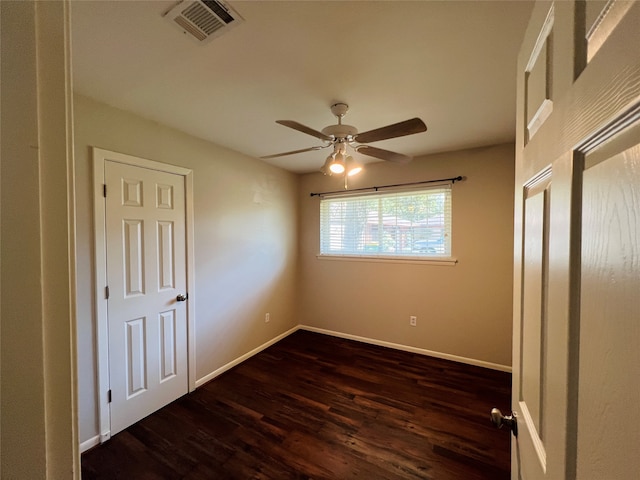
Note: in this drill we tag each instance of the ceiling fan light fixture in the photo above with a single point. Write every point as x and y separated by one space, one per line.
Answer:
353 166
337 163
337 166
325 168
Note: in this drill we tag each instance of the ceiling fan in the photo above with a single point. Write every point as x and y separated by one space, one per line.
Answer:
339 136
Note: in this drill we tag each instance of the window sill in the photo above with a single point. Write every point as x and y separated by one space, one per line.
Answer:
448 261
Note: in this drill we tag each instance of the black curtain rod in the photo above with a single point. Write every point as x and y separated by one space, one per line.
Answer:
452 180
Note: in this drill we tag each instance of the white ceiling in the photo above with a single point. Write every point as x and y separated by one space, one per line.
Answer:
451 63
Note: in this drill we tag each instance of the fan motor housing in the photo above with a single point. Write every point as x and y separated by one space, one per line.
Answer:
340 131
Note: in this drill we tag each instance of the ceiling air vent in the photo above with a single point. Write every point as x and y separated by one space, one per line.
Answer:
203 20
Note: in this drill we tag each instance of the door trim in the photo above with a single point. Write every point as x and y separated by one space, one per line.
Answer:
100 156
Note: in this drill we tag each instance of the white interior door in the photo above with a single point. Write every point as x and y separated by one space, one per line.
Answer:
577 237
146 274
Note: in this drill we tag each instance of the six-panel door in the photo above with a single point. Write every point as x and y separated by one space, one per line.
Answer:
146 271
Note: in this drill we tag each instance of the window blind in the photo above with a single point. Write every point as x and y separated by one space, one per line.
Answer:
407 223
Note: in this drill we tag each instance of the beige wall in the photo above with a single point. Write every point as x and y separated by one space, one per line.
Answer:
463 310
245 241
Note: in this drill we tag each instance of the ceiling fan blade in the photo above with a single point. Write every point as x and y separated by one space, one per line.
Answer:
384 154
408 127
304 129
310 149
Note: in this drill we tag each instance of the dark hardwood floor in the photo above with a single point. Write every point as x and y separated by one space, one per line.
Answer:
318 407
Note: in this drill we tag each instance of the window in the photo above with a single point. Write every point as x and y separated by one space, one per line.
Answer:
414 223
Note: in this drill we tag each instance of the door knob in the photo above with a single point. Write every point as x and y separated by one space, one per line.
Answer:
181 297
510 420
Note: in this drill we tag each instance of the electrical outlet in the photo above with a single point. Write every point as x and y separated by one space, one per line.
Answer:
413 320
267 317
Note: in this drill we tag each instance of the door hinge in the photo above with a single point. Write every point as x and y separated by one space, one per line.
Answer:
109 396
104 190
106 292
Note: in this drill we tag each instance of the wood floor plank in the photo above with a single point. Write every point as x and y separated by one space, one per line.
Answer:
319 407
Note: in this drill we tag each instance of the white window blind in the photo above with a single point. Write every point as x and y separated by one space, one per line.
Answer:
408 223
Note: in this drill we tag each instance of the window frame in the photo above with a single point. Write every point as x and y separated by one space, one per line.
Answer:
446 258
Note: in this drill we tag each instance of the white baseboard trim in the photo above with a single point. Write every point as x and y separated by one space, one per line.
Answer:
406 348
87 444
244 357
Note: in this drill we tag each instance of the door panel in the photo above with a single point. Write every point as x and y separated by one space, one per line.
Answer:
533 300
532 373
609 390
135 348
538 75
166 257
601 19
146 270
133 255
168 336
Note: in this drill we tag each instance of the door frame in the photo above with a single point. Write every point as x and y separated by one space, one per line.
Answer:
100 156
